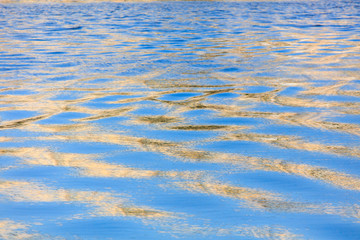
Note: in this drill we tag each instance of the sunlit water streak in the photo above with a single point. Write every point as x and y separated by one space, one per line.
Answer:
190 120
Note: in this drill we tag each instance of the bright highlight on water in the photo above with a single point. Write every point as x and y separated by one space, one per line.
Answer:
179 120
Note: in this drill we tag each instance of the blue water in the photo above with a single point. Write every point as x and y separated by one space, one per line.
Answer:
179 120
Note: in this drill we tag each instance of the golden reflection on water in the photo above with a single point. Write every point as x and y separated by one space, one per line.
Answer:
274 97
261 232
311 120
105 87
14 230
22 122
92 168
263 200
180 151
291 142
87 165
104 203
40 103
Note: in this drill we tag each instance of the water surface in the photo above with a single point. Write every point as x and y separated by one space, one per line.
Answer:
180 120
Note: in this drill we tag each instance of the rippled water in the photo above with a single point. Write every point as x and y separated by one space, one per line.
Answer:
190 120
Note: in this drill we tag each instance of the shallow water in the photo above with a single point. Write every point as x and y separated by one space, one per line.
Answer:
189 120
